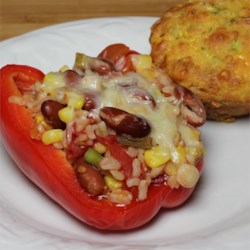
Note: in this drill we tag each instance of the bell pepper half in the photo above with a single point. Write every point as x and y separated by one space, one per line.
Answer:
50 170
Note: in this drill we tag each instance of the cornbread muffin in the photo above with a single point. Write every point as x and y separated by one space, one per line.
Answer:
204 45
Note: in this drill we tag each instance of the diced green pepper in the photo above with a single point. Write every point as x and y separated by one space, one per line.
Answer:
92 157
235 46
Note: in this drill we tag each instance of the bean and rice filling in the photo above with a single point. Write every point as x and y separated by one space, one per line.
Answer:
120 132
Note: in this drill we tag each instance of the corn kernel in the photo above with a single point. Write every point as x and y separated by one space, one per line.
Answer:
147 73
179 155
54 79
190 136
195 151
100 148
39 118
170 169
196 134
51 82
64 68
112 183
66 114
141 62
172 182
52 136
156 156
75 101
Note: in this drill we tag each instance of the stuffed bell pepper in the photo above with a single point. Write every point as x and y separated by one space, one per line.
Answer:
111 139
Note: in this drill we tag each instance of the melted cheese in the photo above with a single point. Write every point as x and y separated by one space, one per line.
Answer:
141 95
162 116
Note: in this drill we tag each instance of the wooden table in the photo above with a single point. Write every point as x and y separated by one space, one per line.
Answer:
20 16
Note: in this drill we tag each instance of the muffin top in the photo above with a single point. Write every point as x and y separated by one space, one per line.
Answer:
204 46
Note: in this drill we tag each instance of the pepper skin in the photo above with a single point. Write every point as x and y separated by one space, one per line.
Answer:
48 168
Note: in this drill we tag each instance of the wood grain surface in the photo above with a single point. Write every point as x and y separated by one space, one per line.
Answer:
20 16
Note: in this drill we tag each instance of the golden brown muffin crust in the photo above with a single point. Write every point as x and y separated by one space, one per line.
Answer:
205 46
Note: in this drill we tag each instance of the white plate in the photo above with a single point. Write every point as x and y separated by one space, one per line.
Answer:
216 217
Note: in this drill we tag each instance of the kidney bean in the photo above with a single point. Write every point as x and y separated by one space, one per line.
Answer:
50 110
114 52
74 151
125 123
91 101
101 66
139 93
192 108
72 78
89 177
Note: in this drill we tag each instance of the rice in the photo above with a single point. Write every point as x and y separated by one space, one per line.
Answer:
157 171
81 139
69 133
41 128
172 182
142 190
81 121
136 168
17 100
120 196
90 131
89 142
101 129
109 163
131 182
58 145
118 175
132 152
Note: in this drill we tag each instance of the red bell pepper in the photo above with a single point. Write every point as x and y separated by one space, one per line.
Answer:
49 169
